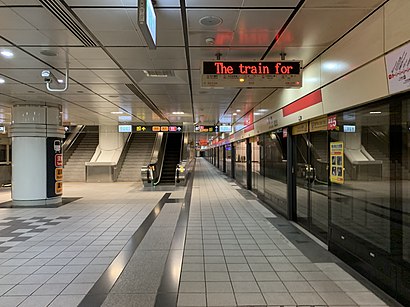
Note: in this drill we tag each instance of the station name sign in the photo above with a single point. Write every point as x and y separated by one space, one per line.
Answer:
251 74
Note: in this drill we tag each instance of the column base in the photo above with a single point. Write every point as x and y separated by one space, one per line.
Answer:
49 202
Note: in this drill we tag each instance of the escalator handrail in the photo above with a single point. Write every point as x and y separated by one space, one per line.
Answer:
147 171
160 159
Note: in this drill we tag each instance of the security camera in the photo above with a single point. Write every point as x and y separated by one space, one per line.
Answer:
48 76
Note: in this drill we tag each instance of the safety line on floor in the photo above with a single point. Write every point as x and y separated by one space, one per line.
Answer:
99 292
167 293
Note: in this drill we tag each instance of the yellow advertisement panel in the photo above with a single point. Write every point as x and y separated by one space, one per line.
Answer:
319 124
59 174
59 188
300 129
337 162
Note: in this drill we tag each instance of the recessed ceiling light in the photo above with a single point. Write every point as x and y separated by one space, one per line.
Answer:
234 114
2 81
238 110
178 113
242 80
7 53
210 21
48 52
60 81
375 112
117 112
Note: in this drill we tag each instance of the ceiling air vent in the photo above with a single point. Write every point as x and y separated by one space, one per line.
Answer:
159 73
68 18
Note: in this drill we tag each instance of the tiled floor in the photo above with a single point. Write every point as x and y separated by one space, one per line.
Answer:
234 252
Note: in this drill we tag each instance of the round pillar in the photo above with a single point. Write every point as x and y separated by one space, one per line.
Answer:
37 134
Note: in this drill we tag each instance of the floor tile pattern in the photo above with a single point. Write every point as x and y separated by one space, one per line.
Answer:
235 257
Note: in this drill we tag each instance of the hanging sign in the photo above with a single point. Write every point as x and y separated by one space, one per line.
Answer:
337 162
251 74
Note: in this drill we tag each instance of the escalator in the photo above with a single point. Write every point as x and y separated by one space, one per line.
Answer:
171 158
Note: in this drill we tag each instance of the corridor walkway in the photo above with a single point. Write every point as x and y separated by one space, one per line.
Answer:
209 244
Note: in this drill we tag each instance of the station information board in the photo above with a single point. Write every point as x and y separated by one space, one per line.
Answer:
251 74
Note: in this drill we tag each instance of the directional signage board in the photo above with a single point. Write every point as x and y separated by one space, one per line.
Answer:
251 74
148 128
202 128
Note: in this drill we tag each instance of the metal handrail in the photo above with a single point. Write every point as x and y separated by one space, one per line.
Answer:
149 172
73 137
121 160
161 157
185 166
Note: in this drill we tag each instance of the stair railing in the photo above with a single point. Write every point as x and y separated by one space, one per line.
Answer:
70 141
121 160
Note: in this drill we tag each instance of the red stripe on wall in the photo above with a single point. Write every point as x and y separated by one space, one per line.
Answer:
249 128
303 103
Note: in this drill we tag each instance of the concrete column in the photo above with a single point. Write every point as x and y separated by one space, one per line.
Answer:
37 134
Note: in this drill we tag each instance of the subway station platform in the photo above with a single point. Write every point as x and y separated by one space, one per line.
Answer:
211 243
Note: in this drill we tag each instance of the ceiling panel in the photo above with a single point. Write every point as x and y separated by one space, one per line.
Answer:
98 82
132 57
262 20
120 38
107 19
25 37
20 60
3 42
311 28
20 2
92 57
270 3
213 3
343 3
10 20
229 19
39 18
160 3
112 76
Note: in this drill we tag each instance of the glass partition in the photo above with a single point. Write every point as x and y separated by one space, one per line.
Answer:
361 203
257 164
273 169
240 162
228 152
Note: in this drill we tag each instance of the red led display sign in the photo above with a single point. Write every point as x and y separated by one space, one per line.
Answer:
251 68
266 74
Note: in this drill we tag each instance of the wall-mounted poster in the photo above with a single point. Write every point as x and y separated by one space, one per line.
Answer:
336 162
398 69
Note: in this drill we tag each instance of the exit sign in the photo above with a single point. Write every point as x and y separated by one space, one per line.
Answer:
251 74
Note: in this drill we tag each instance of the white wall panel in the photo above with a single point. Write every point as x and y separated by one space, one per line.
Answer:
397 23
29 171
283 97
365 84
358 47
